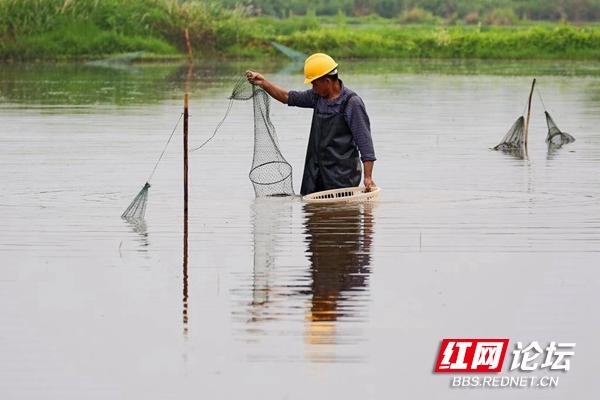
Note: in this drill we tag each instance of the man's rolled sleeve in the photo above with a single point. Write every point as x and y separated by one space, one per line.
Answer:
305 99
358 121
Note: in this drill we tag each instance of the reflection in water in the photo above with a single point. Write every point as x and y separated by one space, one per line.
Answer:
138 225
520 153
338 242
553 150
271 216
339 249
119 62
185 276
77 84
89 85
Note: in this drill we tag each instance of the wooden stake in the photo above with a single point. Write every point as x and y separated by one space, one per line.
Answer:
185 213
185 185
185 153
528 114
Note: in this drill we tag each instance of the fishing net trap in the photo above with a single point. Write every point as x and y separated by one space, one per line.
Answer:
137 208
270 174
555 136
515 140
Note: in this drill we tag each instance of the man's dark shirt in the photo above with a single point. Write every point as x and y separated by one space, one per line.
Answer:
355 115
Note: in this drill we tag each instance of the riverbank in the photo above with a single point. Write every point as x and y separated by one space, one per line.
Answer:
87 29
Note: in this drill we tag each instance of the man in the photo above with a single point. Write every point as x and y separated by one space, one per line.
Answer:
340 127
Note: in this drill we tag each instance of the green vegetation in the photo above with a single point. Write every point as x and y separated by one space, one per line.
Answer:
470 10
537 42
67 29
31 29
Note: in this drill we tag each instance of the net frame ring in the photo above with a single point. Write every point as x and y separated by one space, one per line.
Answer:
257 170
355 194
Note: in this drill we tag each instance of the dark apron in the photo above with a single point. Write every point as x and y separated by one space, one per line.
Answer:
332 159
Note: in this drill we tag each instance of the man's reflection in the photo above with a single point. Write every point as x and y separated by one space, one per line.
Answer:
338 247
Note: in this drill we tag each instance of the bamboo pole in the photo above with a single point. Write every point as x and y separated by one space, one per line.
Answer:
185 213
528 114
185 153
185 185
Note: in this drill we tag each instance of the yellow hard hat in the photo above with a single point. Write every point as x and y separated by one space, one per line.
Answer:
318 65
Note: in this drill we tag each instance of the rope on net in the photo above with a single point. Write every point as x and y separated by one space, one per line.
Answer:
137 208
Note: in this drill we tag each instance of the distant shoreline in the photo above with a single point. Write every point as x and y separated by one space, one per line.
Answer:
90 30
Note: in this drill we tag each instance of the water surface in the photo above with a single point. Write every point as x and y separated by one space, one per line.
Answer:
279 300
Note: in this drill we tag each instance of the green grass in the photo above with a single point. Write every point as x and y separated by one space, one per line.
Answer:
55 29
75 40
530 42
75 29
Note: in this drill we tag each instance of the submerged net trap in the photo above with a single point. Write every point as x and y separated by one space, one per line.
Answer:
137 208
556 136
514 138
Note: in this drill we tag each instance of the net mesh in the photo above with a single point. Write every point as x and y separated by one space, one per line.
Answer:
137 208
271 174
514 138
556 136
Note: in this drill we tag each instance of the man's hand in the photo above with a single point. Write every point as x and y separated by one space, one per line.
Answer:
277 92
255 78
368 178
369 184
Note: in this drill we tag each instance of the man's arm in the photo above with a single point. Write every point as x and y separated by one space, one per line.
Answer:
368 175
358 121
275 91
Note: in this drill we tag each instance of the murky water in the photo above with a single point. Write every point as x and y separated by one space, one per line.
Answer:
275 299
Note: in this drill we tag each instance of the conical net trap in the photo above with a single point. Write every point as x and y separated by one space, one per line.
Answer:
271 174
556 136
514 138
137 208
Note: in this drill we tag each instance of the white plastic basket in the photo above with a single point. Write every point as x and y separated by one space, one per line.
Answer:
343 195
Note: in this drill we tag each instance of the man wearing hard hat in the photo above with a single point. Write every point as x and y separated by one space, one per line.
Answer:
340 127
